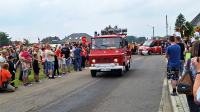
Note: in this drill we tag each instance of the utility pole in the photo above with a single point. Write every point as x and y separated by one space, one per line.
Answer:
166 26
153 31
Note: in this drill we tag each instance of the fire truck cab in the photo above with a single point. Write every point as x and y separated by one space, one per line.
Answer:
109 53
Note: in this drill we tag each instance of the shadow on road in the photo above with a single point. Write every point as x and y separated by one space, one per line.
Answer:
115 75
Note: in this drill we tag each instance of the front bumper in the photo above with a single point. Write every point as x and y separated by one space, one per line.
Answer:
106 67
143 52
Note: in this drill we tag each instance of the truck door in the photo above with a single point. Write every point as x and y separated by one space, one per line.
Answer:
127 51
157 47
153 47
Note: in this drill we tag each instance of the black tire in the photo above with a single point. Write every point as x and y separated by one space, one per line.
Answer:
121 72
93 73
140 53
127 67
160 53
149 52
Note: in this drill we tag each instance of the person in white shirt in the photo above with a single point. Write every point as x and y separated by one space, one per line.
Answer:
49 65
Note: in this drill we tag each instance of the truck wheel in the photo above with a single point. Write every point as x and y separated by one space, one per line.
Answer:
93 73
160 53
127 67
121 72
149 52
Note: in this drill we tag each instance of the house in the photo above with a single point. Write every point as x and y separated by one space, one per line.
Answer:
51 40
76 37
196 20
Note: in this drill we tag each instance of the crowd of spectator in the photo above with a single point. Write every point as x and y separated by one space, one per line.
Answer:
183 59
40 59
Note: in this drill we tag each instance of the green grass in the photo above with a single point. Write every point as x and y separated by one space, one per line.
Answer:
31 77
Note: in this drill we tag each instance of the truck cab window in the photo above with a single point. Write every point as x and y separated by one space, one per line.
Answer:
106 43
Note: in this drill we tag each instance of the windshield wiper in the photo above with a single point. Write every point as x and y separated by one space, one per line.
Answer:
105 45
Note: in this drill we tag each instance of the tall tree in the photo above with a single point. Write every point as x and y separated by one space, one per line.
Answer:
188 31
180 22
26 41
4 40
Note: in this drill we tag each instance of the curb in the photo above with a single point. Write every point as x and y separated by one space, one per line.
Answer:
179 103
165 103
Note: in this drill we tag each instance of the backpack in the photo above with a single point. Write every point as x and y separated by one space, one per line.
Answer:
185 84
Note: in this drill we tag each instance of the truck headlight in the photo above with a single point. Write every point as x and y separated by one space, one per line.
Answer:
93 61
115 60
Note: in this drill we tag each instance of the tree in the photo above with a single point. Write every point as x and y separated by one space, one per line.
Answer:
4 40
188 30
131 39
180 21
26 42
141 39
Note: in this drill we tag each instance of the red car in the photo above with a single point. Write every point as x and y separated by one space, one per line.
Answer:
152 47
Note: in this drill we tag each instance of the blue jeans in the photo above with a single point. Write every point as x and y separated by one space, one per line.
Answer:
181 68
77 64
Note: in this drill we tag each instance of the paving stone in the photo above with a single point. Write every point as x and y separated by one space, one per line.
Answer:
179 103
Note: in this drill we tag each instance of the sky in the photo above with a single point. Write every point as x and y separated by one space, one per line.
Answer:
31 19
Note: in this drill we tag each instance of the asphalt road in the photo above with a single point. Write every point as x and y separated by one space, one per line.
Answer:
139 90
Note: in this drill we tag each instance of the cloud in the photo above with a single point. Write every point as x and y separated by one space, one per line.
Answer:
41 18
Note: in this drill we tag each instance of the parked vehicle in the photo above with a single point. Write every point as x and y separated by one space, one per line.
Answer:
152 47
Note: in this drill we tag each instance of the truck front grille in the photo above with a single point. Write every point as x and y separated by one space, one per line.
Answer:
104 60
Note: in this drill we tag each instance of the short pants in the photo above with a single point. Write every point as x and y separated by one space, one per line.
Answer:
49 65
173 73
26 72
68 62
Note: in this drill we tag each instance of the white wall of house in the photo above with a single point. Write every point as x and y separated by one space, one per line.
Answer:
198 24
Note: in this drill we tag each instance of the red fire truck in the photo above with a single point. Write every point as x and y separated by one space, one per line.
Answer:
109 53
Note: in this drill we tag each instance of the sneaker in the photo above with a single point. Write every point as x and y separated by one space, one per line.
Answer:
51 78
25 84
38 81
29 84
174 94
15 87
56 76
59 76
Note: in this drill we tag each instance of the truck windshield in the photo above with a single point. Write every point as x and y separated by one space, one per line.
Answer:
106 43
148 43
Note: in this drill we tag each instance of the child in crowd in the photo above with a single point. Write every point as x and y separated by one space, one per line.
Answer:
36 67
26 59
63 65
12 69
56 67
49 62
